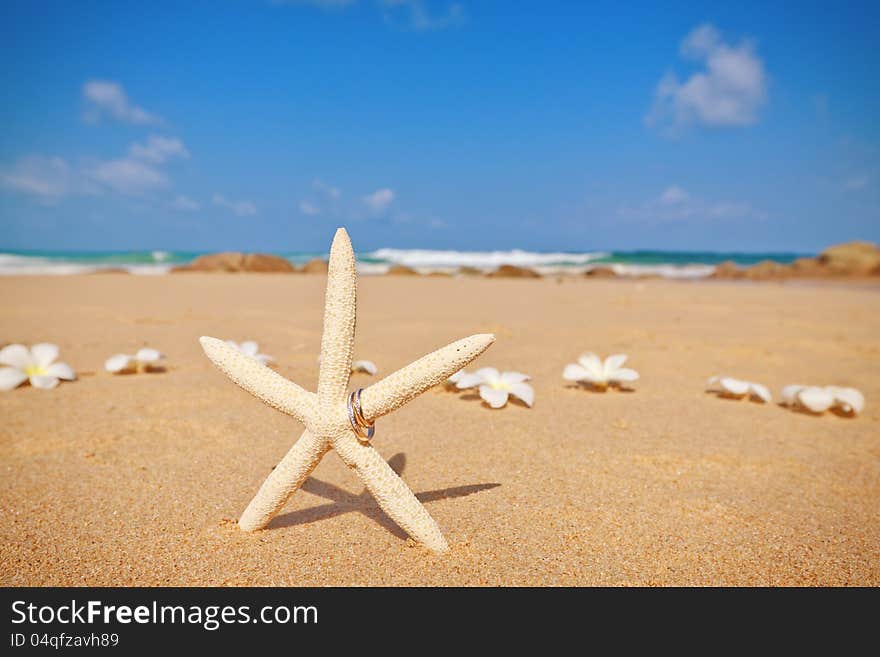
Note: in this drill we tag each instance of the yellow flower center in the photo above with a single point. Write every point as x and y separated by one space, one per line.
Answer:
35 370
498 384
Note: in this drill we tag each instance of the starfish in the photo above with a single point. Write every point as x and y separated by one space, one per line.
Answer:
325 414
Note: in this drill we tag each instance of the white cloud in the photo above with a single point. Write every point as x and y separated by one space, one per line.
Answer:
185 203
44 177
379 200
309 208
673 196
729 91
416 15
674 204
326 190
159 149
238 208
129 176
107 98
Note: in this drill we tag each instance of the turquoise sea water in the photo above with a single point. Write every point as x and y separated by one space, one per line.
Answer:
665 263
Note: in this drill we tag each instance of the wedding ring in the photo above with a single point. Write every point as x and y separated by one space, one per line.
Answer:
363 430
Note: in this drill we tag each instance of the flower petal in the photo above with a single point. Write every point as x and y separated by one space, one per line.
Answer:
235 345
495 398
489 374
62 371
469 380
249 348
147 355
11 377
849 400
761 392
613 362
44 382
815 399
734 386
712 383
44 353
524 391
593 364
789 393
16 355
456 377
573 372
624 374
514 377
117 363
367 366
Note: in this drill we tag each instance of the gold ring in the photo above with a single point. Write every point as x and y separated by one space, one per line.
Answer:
363 430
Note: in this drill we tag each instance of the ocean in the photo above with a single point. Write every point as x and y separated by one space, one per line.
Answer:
668 264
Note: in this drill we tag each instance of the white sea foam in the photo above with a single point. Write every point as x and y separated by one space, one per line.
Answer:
13 264
417 258
378 262
665 271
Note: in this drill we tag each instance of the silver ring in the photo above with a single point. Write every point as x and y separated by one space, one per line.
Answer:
362 429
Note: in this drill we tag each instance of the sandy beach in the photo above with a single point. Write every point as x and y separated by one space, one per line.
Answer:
138 480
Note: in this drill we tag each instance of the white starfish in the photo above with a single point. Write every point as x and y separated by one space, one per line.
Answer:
325 415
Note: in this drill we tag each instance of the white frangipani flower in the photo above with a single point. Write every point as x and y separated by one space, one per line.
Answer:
251 349
36 365
496 387
730 387
593 370
365 366
451 382
819 399
143 361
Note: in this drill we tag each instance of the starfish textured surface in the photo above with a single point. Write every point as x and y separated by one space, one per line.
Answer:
324 414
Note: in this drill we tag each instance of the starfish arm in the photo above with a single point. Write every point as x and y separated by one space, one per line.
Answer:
340 302
398 388
393 495
259 380
286 478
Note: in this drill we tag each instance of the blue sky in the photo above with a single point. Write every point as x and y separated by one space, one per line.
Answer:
466 125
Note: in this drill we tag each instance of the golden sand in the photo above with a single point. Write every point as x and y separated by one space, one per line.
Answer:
124 480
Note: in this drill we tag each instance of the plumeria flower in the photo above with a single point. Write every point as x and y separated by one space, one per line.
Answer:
36 365
731 387
450 383
365 366
143 361
252 350
495 387
818 399
593 370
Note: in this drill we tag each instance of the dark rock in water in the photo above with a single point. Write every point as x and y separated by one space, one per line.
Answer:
228 261
264 262
402 270
728 269
315 266
469 271
808 267
234 262
512 271
852 258
601 272
767 270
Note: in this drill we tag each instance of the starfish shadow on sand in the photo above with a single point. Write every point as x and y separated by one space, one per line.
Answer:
343 501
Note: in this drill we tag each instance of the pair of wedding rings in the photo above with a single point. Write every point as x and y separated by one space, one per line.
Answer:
362 429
